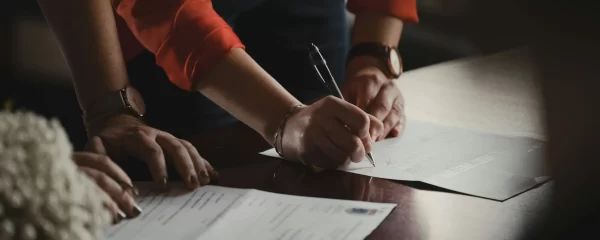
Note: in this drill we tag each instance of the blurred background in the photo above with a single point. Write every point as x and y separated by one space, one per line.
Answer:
449 29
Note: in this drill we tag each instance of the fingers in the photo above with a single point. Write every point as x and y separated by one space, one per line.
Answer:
181 158
199 163
349 115
387 106
392 120
122 198
343 139
117 214
330 150
96 145
142 146
376 127
101 163
381 106
367 92
399 129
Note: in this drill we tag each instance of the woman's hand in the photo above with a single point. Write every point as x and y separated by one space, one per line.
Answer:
112 180
129 135
329 133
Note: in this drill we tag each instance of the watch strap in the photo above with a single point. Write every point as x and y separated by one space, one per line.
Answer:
368 49
111 103
383 53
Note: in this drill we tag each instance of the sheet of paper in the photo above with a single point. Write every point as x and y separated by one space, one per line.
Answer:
467 161
213 212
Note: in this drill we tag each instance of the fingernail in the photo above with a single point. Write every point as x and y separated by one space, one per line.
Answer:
137 210
164 183
205 177
135 191
120 216
194 181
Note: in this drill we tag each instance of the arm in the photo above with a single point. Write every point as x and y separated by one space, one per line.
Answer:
379 21
368 83
240 86
88 38
200 52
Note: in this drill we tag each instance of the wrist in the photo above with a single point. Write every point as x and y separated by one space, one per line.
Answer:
95 125
126 101
359 63
273 125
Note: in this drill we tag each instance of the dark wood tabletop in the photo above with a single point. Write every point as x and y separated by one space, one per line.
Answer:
423 212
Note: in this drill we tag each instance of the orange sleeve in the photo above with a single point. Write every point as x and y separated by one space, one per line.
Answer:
187 36
403 9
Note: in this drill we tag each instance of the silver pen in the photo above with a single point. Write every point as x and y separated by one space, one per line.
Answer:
323 71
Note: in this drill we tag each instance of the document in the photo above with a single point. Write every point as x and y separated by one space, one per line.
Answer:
476 163
213 212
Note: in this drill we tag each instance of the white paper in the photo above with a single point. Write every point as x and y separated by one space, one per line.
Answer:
467 161
213 212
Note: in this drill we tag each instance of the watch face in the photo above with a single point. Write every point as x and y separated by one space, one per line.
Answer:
394 62
133 99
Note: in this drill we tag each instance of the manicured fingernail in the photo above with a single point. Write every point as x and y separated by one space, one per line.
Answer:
120 216
164 183
194 181
137 210
135 191
205 177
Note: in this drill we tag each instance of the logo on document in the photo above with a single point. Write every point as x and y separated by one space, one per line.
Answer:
361 211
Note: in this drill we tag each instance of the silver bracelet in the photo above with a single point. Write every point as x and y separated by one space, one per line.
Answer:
281 128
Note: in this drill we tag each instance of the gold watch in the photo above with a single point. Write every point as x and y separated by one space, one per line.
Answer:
124 101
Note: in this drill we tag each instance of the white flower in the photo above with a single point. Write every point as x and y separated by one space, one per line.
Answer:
42 194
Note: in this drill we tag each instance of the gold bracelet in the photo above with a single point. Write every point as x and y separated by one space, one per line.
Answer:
281 128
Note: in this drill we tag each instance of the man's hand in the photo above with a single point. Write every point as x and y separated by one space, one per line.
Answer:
371 90
125 134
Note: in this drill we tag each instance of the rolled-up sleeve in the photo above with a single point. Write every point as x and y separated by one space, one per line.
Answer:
187 36
403 9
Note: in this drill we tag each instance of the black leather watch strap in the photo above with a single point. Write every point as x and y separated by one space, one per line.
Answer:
388 56
368 49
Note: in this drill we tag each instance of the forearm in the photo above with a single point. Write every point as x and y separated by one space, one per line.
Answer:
87 35
376 27
241 87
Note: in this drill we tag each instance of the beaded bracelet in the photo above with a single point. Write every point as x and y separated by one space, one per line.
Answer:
280 130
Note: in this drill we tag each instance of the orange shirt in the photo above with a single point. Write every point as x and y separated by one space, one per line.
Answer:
188 37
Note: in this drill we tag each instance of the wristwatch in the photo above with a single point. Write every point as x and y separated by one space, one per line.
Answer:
126 101
388 55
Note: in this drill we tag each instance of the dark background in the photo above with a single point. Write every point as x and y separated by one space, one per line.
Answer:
39 79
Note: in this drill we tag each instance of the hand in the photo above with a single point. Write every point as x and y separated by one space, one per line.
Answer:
329 133
129 135
371 90
111 179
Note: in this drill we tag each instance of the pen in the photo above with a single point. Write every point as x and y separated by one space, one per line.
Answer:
323 71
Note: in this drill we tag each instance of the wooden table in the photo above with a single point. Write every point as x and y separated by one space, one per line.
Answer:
495 93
